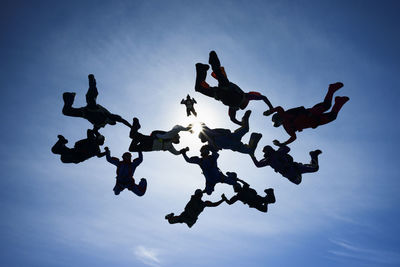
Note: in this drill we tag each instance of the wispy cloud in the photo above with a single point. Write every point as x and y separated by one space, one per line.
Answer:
148 256
347 250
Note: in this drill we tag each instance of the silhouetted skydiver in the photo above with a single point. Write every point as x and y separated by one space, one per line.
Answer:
250 197
125 170
157 140
227 92
93 112
192 209
82 150
224 139
208 164
189 103
283 163
296 119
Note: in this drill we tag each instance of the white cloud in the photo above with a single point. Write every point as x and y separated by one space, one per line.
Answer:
148 256
347 250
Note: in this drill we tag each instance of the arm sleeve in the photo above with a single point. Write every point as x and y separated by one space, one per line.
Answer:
278 109
284 149
172 149
138 160
112 160
291 139
232 200
195 160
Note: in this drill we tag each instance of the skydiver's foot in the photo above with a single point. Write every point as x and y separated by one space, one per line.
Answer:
213 60
267 112
254 139
341 100
245 118
270 195
169 216
315 153
68 98
62 139
135 124
335 86
202 67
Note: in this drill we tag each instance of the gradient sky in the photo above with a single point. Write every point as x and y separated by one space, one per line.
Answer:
143 55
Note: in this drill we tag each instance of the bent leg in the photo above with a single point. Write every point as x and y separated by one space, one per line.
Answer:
258 96
68 110
118 188
118 118
139 189
232 115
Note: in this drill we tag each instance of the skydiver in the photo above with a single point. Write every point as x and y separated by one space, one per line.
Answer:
189 103
250 197
208 164
93 112
296 119
82 150
192 209
283 163
227 92
157 140
125 170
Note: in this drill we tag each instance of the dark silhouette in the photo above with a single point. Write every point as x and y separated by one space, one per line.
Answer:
227 92
93 112
83 149
250 197
125 170
224 139
208 164
189 103
296 119
157 140
192 210
283 163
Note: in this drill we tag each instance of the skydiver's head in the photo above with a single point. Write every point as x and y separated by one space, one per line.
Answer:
100 140
277 120
268 150
198 193
127 157
202 137
188 97
204 151
236 187
176 139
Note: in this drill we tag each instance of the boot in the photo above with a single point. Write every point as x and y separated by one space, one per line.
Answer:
270 195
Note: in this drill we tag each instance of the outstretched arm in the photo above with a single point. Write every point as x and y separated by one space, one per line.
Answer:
278 109
213 204
259 163
136 162
290 140
195 160
230 201
110 159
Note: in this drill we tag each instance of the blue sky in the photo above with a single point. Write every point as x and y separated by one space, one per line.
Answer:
143 55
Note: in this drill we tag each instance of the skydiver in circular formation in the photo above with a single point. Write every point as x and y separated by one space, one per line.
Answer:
157 140
83 149
208 164
225 139
227 92
297 119
125 170
283 163
192 209
93 112
249 196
